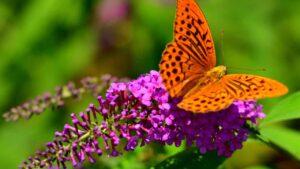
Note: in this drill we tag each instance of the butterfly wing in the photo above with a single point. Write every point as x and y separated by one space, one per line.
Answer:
221 94
193 34
210 98
247 87
191 53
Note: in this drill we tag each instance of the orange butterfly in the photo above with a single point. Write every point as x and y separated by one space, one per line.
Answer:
188 68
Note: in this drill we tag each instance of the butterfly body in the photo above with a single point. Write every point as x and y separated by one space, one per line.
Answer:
209 77
188 68
217 72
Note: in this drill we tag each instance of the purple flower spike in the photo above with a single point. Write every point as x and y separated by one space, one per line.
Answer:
140 112
93 85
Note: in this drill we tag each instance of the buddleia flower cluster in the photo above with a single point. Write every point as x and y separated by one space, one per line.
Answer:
140 112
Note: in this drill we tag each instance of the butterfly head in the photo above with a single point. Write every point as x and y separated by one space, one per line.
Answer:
217 72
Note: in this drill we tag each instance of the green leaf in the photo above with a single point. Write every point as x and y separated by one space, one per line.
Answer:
258 167
191 158
287 109
287 139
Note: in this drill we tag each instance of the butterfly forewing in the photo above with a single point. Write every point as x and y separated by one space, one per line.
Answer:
192 32
177 71
246 87
191 54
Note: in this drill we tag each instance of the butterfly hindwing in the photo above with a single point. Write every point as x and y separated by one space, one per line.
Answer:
247 87
212 97
219 95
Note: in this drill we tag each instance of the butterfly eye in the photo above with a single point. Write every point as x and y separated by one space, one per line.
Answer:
221 74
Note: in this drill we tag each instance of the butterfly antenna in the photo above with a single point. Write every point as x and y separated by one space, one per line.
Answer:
222 47
249 69
232 67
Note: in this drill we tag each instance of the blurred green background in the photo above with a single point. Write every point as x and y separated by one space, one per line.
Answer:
47 43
